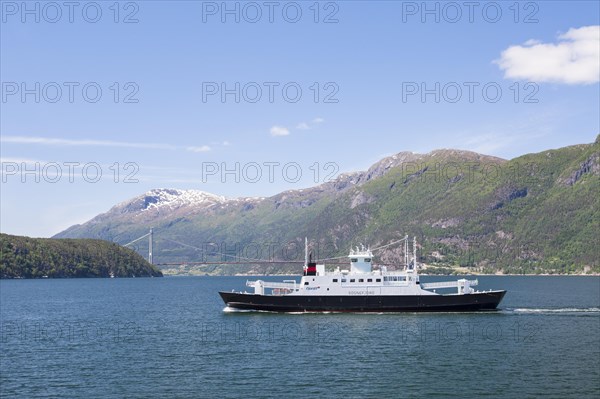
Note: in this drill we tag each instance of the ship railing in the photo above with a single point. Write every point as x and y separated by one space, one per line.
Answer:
282 291
447 284
278 289
269 284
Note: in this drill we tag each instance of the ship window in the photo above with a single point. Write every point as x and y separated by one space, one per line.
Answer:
352 280
385 278
306 283
343 280
378 280
360 280
353 260
367 260
335 280
369 280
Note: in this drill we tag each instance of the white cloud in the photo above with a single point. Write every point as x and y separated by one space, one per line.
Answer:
510 138
575 59
48 141
224 143
85 142
21 160
489 143
309 125
203 148
278 131
532 42
284 131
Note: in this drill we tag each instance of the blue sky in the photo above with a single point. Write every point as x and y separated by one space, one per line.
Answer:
161 120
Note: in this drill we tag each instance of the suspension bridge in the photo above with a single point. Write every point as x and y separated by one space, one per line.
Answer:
240 260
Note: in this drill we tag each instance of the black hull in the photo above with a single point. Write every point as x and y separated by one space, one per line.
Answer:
383 303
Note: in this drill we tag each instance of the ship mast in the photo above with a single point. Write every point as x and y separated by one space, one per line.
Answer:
415 252
305 251
406 252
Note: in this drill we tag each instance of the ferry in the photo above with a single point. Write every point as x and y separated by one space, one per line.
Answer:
363 288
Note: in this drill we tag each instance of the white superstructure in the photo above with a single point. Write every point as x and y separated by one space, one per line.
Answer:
360 279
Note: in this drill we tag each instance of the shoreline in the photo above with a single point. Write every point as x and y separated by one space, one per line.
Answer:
292 275
420 274
298 275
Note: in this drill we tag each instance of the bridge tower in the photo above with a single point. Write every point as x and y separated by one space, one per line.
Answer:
150 239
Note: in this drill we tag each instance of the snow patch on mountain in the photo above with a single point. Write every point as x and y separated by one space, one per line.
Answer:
174 198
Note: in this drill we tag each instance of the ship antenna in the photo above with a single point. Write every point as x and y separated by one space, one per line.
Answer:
406 251
415 252
305 251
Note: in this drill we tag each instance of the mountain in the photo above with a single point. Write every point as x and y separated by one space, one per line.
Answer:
24 257
537 213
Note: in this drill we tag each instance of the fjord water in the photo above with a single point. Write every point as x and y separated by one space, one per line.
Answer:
169 337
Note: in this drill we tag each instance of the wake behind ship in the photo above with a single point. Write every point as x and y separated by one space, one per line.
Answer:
362 289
